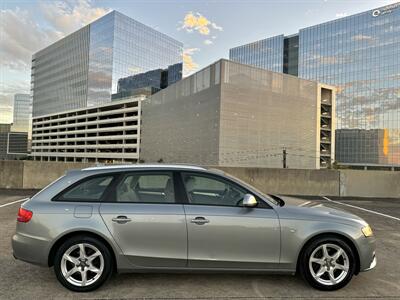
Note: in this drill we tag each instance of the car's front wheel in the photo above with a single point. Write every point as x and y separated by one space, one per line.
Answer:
327 263
82 263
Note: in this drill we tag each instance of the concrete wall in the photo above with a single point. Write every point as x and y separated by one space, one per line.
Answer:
181 123
234 115
355 183
37 175
11 172
289 181
262 113
370 183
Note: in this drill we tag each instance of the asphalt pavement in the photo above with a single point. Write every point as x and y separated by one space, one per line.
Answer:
19 280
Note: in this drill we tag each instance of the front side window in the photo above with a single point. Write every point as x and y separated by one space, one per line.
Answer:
211 191
90 190
146 188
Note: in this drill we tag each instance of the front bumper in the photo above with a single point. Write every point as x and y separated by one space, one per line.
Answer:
30 249
373 263
367 254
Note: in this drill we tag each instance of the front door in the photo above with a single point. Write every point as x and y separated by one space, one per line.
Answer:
221 233
145 220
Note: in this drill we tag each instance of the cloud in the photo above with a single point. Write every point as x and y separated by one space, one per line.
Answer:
189 66
135 70
199 23
9 88
21 36
67 17
6 114
361 37
215 26
341 14
208 42
204 30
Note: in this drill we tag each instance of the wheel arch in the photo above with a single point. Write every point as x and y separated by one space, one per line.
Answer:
61 239
345 238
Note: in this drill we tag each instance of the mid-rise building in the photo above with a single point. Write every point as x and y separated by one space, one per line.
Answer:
104 133
351 146
227 114
232 114
13 145
360 54
83 69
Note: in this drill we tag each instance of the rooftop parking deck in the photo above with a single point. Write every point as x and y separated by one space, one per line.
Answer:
19 279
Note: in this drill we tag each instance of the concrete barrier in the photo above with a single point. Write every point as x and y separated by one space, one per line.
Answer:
354 183
11 172
289 181
359 183
37 175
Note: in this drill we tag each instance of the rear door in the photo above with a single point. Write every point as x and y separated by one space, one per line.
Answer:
146 221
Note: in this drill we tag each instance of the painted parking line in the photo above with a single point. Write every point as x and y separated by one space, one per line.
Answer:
364 209
13 202
305 203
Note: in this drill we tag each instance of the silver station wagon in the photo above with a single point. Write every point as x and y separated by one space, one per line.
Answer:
138 218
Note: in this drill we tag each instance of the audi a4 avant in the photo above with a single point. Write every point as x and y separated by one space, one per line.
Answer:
141 218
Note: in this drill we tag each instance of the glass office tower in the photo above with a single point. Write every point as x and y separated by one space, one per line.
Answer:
83 69
359 54
22 112
266 54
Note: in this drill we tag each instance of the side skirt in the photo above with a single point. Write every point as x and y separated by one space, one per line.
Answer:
208 270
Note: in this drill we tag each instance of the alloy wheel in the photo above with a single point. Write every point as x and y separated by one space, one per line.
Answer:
82 264
329 264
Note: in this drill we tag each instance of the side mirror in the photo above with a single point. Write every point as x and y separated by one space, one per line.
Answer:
249 201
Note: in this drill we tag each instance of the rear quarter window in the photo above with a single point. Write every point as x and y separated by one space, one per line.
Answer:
87 190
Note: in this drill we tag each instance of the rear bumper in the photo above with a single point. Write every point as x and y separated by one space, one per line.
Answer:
30 249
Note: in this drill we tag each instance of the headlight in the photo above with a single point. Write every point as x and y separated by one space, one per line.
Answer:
367 230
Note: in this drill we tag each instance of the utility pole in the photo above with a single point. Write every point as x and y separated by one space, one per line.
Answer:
284 158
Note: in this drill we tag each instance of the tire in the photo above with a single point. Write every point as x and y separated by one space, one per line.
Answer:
71 265
323 268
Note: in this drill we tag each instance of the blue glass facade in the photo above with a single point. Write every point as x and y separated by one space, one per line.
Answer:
139 49
101 55
153 81
59 75
22 112
151 78
84 68
359 54
266 54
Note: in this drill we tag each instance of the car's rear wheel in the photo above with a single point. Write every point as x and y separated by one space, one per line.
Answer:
327 263
82 264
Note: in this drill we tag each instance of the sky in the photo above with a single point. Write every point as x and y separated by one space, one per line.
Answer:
208 29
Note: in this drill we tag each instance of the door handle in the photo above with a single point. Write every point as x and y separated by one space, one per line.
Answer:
121 219
200 221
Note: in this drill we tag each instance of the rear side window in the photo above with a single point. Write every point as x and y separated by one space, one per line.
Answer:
146 188
90 190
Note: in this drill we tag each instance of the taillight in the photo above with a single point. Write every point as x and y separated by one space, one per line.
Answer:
24 215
